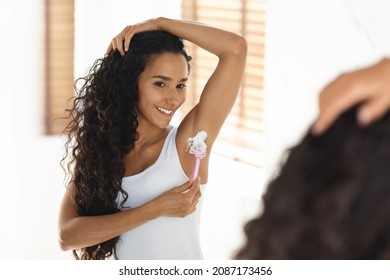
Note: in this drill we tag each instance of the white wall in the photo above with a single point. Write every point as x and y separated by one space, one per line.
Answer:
30 175
98 21
309 43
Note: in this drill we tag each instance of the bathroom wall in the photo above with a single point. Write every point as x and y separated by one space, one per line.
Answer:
309 43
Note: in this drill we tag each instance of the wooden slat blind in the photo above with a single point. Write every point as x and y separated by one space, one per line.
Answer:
241 137
59 62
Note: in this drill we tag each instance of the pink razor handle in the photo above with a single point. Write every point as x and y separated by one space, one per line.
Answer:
198 156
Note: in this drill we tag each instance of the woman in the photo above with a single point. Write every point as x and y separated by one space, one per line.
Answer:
130 196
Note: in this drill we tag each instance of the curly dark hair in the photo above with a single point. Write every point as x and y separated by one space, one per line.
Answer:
103 128
331 198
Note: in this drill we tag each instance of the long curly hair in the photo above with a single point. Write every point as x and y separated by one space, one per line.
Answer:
103 128
331 199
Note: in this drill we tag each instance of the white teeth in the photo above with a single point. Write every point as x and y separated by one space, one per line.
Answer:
165 111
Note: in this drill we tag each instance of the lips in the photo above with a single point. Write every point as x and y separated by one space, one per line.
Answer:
165 111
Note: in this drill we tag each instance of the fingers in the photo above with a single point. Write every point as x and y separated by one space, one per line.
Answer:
109 49
329 113
183 188
369 85
192 210
128 37
192 186
193 201
195 187
193 195
338 96
373 109
121 42
112 47
182 200
197 197
115 42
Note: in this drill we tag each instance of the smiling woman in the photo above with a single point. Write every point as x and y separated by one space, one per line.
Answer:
131 195
162 86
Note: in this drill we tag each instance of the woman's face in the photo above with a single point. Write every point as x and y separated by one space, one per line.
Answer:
162 88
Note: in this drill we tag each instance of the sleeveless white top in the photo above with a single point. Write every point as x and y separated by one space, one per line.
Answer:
164 238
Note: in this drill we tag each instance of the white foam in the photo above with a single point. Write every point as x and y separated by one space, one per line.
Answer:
198 142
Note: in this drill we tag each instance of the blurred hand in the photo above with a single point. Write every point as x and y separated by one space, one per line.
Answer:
121 42
179 201
369 85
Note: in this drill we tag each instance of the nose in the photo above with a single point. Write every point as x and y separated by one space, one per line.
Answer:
174 97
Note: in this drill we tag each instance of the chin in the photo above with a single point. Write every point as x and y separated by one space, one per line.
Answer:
162 125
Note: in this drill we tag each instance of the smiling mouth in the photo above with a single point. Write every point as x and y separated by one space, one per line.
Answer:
165 111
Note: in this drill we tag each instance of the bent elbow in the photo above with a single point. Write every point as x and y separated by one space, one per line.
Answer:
239 46
64 247
242 45
64 240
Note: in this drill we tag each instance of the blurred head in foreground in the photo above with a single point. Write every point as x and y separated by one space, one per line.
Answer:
330 199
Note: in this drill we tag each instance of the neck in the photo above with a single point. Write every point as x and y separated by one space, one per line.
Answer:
148 134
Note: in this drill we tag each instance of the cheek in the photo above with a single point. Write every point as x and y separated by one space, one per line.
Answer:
147 95
182 98
144 102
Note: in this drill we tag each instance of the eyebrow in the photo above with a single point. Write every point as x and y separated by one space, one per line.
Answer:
165 78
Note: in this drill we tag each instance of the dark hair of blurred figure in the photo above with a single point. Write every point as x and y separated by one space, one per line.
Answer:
330 199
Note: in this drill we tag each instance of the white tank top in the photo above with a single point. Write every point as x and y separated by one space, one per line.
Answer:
164 238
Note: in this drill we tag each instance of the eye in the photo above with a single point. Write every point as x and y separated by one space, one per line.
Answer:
181 86
160 84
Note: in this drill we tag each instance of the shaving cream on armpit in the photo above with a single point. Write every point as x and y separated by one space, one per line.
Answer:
197 146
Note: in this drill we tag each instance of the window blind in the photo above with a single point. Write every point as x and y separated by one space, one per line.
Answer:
59 62
241 137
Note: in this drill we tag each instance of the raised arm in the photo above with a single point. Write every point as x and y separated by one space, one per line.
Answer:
220 92
221 89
